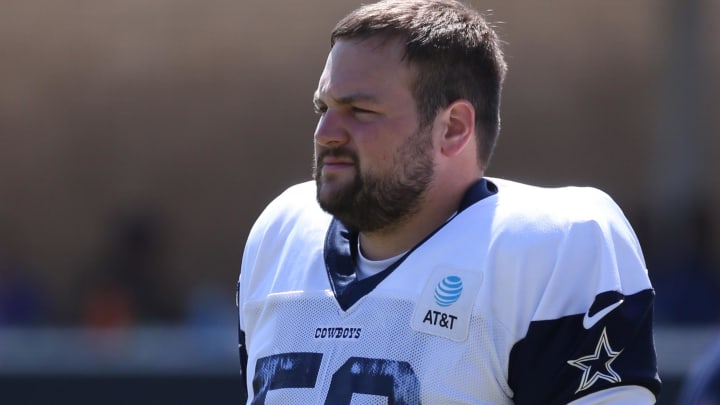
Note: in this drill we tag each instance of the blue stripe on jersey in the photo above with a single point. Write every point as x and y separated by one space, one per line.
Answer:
341 252
559 360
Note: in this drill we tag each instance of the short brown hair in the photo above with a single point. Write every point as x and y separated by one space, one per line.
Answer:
456 52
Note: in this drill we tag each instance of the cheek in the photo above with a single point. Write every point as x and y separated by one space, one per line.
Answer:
376 148
378 144
377 158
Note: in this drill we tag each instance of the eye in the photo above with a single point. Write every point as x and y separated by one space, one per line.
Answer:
320 109
358 110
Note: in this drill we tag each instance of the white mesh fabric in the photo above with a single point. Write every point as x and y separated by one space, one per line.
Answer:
448 372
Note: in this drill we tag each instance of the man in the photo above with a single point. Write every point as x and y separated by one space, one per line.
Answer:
403 276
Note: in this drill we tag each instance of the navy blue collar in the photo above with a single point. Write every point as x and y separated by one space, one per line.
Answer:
341 252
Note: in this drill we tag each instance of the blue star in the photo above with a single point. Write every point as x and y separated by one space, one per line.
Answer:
597 365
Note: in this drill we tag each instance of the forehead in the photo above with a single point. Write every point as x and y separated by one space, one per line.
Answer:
371 65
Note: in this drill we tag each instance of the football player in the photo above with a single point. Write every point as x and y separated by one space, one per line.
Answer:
403 275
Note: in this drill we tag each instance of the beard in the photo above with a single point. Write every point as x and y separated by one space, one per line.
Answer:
374 201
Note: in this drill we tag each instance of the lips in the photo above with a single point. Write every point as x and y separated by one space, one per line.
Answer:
337 160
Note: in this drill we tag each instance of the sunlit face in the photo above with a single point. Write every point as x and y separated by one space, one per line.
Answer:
372 162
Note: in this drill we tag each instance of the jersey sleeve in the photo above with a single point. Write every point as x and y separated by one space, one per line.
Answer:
623 395
592 326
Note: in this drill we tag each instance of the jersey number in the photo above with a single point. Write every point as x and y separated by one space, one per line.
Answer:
392 379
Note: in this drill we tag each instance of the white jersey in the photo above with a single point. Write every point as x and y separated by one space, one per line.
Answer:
528 296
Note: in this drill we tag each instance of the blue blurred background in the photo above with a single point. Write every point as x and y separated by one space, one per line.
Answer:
139 140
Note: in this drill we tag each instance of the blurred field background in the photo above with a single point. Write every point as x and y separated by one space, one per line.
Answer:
139 140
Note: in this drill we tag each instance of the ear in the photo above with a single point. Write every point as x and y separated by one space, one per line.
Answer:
459 120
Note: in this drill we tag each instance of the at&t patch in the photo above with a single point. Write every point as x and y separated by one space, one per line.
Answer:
445 306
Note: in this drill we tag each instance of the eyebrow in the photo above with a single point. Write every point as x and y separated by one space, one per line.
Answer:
349 99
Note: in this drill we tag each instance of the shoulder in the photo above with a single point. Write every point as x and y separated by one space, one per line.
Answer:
556 215
292 218
564 246
579 222
292 201
296 204
287 236
573 261
555 205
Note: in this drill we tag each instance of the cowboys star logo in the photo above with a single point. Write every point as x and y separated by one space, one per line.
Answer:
597 365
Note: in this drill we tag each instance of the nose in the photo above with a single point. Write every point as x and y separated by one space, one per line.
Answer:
330 131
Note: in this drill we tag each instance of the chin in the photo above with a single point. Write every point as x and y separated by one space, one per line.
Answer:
328 194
